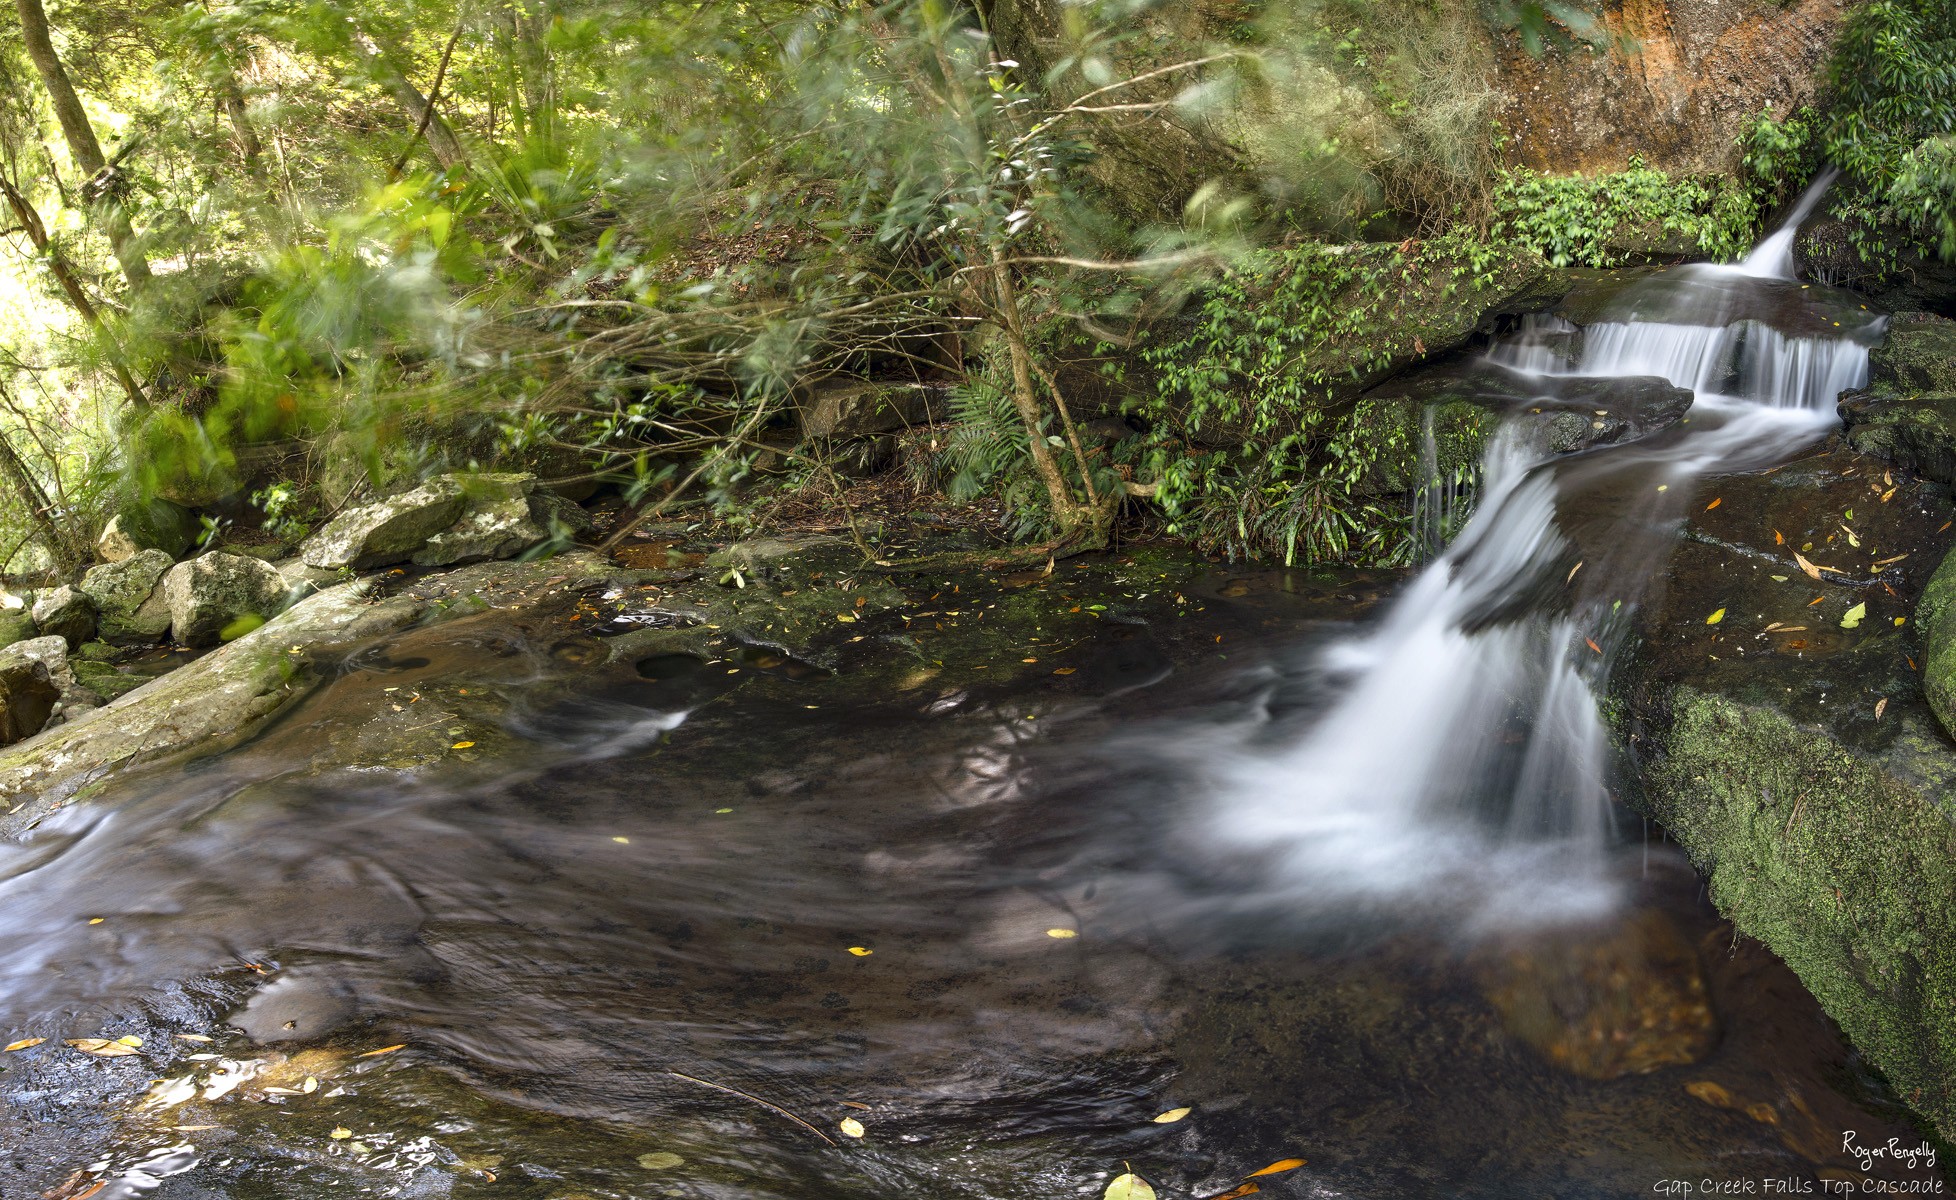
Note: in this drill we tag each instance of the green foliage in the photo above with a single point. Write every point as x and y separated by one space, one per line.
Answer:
1602 221
1255 447
984 451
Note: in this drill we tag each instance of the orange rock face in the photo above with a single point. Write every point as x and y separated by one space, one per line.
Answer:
1682 80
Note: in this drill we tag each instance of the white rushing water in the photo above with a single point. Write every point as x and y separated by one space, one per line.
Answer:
1465 767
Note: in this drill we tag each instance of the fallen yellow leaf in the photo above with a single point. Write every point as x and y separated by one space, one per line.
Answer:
1062 933
101 1047
623 841
24 1044
1065 670
1715 503
461 745
861 951
1278 1167
1716 617
340 1133
1128 1186
851 1127
383 1050
1172 1115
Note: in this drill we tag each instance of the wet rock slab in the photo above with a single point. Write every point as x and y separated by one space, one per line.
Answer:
1781 730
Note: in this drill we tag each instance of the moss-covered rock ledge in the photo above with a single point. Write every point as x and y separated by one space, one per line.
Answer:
1790 749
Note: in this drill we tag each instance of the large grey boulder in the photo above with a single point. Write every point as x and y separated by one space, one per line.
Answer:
128 595
390 531
67 613
27 698
499 521
155 524
218 596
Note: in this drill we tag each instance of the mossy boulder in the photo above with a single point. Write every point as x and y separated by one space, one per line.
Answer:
16 625
104 679
1791 749
1919 355
1935 625
66 612
128 595
1915 432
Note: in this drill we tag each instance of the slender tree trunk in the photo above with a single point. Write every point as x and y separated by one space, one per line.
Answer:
29 221
1025 398
40 512
441 139
75 127
232 97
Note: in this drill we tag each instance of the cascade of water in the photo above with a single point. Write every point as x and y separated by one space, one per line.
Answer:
1773 258
1467 748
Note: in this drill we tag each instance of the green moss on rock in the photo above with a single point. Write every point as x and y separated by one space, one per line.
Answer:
1845 870
1919 355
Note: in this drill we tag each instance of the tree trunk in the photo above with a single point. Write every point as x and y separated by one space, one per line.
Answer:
1076 521
231 96
441 139
29 221
75 127
40 512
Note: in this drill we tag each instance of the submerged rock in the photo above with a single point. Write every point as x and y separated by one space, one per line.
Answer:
27 698
391 531
67 613
210 596
128 595
157 524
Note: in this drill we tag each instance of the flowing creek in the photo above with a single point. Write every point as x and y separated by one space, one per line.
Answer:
1356 887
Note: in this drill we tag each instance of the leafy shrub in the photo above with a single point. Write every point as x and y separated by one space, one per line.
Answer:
1576 220
1256 448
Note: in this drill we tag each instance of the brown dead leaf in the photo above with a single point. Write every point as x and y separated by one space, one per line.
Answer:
1779 539
1812 571
1238 1192
1881 706
1716 501
1591 643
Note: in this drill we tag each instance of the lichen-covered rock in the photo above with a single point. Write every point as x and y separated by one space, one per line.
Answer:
1919 355
27 698
389 531
65 612
216 597
499 521
156 524
128 595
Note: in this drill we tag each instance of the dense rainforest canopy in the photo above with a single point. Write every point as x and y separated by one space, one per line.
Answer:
263 257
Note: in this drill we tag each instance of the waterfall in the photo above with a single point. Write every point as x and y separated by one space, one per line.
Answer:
1773 258
1466 750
